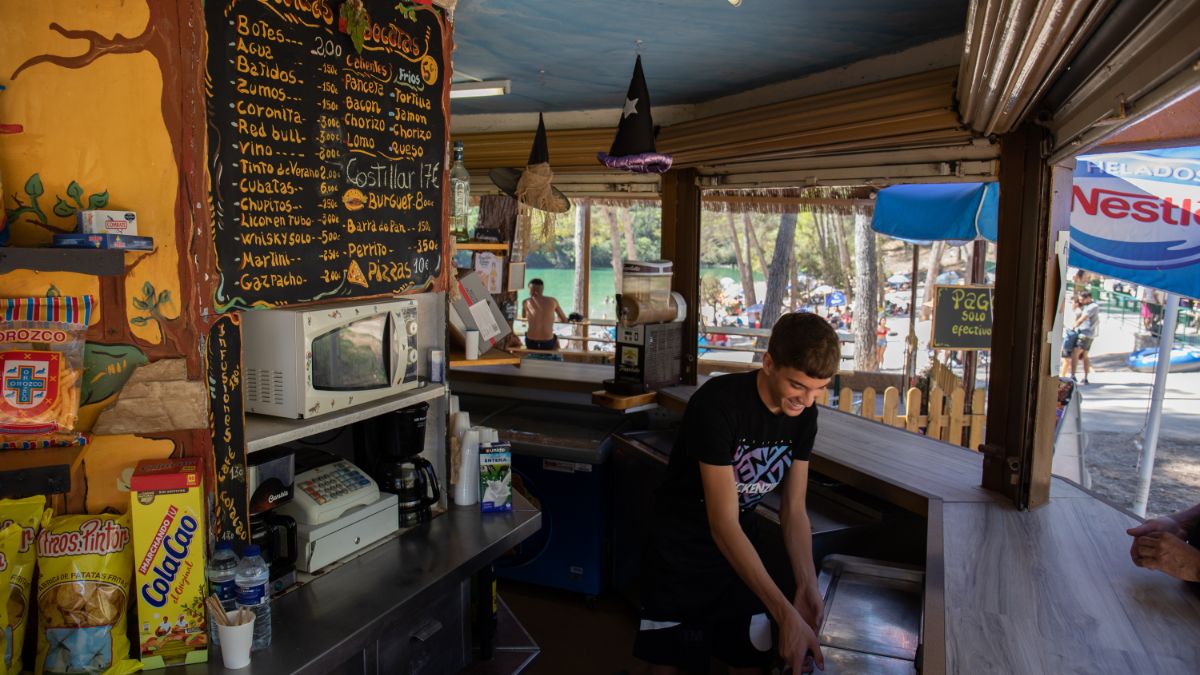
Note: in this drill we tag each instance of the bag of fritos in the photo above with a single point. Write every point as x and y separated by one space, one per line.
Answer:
10 540
29 515
42 341
84 568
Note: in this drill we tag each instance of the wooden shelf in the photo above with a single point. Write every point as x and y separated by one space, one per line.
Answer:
264 431
40 471
481 246
101 262
493 357
635 403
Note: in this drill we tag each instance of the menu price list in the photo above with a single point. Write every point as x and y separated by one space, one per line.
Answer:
328 165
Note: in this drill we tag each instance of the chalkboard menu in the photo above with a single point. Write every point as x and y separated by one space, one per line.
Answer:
327 166
962 317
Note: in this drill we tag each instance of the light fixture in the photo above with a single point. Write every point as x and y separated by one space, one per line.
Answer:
736 3
476 89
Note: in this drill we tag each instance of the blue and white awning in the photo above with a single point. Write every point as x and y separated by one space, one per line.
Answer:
923 213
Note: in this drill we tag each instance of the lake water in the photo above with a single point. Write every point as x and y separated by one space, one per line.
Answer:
560 284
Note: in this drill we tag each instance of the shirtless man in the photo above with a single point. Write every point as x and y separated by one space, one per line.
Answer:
541 311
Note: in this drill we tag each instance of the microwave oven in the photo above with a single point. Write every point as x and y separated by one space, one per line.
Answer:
308 361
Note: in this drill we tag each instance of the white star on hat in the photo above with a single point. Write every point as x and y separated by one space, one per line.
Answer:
630 108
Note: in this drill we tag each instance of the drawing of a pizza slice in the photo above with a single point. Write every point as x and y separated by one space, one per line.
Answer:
354 275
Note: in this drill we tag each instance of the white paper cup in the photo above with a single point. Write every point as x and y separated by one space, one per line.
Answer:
472 345
236 640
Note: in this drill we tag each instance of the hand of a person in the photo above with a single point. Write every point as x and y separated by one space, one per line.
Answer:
796 641
1167 553
808 603
1160 524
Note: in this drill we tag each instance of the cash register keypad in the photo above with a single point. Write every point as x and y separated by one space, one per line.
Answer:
335 480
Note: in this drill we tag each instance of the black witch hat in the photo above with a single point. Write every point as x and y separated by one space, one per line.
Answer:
531 186
633 148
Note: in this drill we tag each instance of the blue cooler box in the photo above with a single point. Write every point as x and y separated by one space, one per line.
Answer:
560 464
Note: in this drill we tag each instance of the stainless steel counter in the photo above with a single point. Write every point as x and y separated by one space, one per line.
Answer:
334 621
1045 591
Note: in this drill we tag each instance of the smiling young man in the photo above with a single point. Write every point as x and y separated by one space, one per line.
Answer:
706 593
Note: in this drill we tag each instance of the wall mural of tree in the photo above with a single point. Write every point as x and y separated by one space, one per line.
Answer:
131 136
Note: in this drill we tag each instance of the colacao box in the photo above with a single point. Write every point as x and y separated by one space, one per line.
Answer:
79 240
495 477
167 508
106 222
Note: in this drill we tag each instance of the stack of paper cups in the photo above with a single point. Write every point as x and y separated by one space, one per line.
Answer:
472 340
460 422
466 490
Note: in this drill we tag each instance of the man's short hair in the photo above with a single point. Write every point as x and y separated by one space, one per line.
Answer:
1086 296
536 282
805 342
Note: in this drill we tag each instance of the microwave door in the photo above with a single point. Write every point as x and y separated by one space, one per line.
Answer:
397 333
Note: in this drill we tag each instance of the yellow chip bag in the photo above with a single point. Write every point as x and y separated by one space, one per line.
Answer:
42 342
10 540
29 515
84 568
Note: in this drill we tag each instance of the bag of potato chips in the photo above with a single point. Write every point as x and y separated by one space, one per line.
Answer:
41 363
84 569
10 540
29 515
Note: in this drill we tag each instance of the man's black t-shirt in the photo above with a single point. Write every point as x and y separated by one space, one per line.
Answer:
726 423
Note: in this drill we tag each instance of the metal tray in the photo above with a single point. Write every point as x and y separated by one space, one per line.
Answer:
873 609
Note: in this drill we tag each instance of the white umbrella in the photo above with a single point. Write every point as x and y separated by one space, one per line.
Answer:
823 289
898 279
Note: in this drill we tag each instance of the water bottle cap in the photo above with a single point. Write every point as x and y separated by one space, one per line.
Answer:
252 550
224 545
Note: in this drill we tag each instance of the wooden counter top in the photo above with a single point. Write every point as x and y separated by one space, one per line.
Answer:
1045 591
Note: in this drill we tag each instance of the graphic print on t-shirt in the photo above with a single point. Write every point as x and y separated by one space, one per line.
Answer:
758 468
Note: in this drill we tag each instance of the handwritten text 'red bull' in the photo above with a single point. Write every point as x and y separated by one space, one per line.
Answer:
94 537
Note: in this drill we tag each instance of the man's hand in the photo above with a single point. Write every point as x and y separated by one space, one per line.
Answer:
797 640
808 603
1161 524
1167 553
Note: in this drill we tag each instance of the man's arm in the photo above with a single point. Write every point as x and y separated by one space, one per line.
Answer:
721 504
559 313
797 538
525 308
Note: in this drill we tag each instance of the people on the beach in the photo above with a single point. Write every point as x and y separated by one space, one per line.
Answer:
540 311
1077 341
881 334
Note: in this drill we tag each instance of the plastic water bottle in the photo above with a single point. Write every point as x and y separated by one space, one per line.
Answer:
221 570
253 579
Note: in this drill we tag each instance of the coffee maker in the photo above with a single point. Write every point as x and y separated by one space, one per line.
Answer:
389 448
270 479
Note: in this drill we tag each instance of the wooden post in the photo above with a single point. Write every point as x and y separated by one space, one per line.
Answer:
1020 355
867 409
891 405
912 409
846 400
954 431
934 429
681 245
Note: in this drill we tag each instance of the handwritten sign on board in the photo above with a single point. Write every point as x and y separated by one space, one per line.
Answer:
227 422
327 165
962 317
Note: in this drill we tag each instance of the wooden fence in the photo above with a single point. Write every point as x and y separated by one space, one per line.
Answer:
947 419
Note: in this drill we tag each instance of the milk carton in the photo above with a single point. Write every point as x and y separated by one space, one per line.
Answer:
495 477
167 507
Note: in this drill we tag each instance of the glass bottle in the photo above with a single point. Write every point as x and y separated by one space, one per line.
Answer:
460 189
